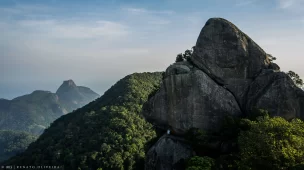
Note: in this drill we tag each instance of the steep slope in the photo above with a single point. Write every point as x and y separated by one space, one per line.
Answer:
12 143
108 133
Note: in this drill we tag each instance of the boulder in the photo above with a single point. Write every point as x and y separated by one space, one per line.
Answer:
276 93
224 52
274 67
169 153
191 99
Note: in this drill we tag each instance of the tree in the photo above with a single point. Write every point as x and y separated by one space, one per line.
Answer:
272 143
295 78
185 56
179 58
109 133
271 58
200 163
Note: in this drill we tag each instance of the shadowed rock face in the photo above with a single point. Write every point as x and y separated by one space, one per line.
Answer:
169 153
276 93
191 99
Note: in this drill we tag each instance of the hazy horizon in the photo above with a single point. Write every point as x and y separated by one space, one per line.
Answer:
97 43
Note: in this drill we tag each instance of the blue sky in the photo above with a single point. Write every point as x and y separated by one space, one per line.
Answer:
97 42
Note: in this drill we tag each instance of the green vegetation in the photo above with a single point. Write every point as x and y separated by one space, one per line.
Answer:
185 56
108 133
200 163
294 76
272 143
34 112
261 143
271 58
30 113
12 143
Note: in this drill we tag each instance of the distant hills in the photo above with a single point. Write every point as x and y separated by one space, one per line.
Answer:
34 112
24 118
13 142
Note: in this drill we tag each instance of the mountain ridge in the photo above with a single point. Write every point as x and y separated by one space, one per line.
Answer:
39 108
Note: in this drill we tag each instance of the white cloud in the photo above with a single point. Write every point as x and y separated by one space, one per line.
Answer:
67 29
143 10
286 3
294 5
245 2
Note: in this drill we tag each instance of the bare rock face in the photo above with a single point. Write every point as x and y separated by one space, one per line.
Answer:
225 52
169 153
190 98
229 56
276 93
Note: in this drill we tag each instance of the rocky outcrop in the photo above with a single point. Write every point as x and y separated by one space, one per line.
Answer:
225 52
169 153
227 75
190 98
276 93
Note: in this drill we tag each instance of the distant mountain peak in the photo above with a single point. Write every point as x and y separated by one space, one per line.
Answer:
69 83
66 86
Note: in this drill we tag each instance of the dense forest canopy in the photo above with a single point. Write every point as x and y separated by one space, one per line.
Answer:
13 142
261 142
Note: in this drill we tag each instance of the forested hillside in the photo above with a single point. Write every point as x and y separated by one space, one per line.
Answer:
12 143
31 113
108 133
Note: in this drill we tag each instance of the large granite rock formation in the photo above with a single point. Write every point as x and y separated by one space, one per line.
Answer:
276 93
190 98
225 52
227 75
168 153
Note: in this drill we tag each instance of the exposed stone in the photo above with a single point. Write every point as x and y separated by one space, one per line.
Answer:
274 67
189 100
224 52
276 93
227 75
239 89
179 68
169 153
